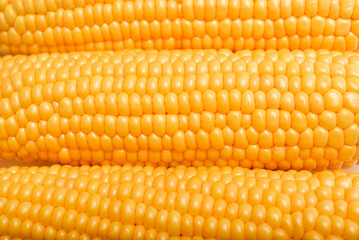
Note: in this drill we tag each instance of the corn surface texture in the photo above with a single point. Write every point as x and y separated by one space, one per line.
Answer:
261 109
63 202
34 26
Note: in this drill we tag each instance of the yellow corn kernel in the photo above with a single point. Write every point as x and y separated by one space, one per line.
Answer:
31 27
275 109
133 201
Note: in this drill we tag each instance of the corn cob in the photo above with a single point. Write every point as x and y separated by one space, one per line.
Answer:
256 109
127 202
35 26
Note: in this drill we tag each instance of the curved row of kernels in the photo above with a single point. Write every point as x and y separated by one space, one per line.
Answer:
271 128
45 119
208 76
219 24
81 97
163 223
293 43
29 229
89 200
23 107
58 60
93 12
152 63
151 10
196 202
27 45
57 175
116 230
40 7
196 92
189 9
120 174
115 172
28 32
250 157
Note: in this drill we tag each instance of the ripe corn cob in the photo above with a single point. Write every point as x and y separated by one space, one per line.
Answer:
34 26
263 109
158 203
